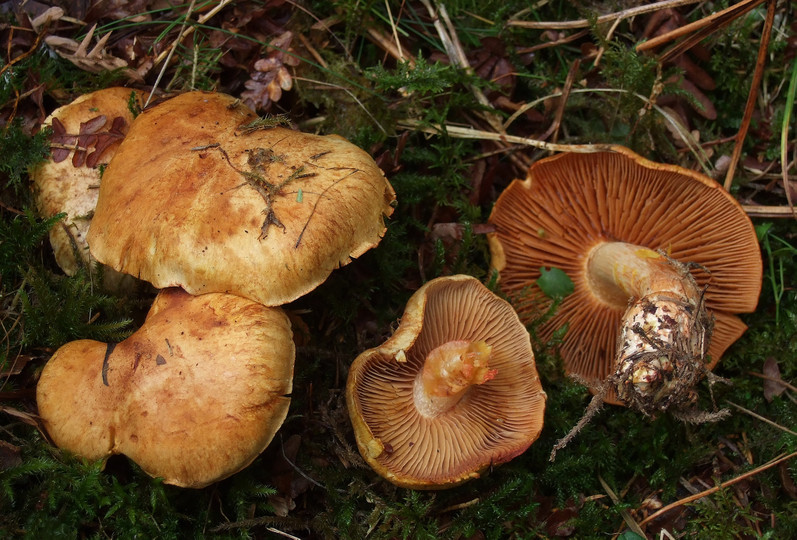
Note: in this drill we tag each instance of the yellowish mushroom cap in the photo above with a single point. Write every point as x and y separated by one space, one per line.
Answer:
193 396
201 195
69 180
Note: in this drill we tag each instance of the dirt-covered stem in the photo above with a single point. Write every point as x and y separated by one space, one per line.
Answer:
665 330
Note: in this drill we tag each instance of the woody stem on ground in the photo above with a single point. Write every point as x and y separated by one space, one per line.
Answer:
665 329
448 372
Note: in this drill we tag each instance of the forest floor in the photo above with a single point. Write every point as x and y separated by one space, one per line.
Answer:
453 100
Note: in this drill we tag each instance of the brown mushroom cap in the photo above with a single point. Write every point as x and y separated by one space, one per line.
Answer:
69 181
193 396
571 202
491 424
195 198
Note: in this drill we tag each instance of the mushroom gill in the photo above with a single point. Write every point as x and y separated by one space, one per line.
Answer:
493 420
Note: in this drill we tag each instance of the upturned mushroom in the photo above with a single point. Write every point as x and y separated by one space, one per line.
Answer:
204 195
657 253
193 396
454 391
85 136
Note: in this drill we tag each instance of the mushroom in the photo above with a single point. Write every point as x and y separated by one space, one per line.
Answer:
454 391
193 396
86 133
655 252
205 195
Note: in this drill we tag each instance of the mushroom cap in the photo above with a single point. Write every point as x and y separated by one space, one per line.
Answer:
71 185
195 198
193 396
571 202
492 423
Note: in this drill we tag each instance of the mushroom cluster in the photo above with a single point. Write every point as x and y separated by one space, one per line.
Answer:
231 217
659 256
454 391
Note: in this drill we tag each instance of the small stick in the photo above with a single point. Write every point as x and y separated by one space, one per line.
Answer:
751 97
773 379
763 419
585 23
723 18
172 48
779 459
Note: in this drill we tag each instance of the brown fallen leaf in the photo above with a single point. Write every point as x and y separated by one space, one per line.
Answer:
95 60
772 387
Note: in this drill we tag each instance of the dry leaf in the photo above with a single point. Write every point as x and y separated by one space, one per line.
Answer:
95 60
772 387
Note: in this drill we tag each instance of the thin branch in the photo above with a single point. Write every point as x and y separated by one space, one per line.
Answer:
774 379
701 27
779 459
763 419
758 73
784 134
585 23
171 49
460 132
768 211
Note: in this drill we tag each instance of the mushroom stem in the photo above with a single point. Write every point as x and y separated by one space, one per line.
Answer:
448 372
665 330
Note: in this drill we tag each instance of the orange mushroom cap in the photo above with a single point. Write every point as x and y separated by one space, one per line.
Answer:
497 417
570 203
201 195
86 133
193 396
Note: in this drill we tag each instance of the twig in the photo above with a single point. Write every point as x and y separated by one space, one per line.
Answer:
585 23
458 57
201 20
471 133
686 136
773 379
395 33
171 49
768 211
282 533
700 27
779 459
389 46
751 97
554 43
763 419
560 109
